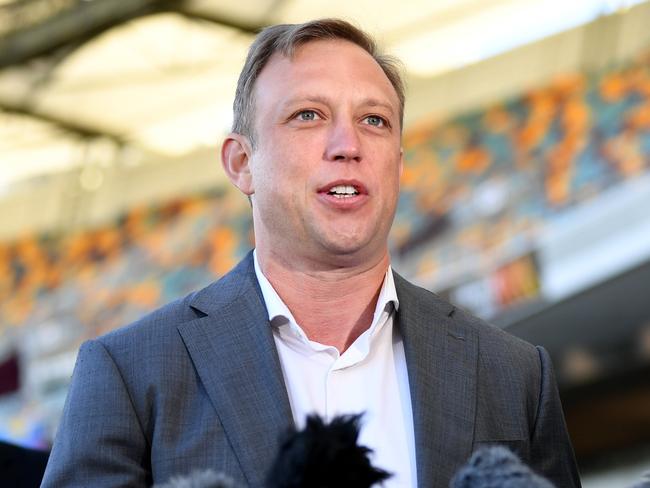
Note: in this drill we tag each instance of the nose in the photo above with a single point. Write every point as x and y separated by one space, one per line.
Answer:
343 142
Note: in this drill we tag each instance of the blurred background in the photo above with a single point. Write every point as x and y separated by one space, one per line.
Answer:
525 196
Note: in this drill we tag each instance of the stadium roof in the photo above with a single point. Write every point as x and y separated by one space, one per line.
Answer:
114 79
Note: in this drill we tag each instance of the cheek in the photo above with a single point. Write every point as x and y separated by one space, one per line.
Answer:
388 172
391 186
267 168
278 186
289 167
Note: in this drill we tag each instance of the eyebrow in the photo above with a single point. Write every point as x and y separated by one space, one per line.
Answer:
370 102
373 102
301 99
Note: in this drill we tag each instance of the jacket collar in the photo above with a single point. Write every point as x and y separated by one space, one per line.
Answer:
234 353
441 356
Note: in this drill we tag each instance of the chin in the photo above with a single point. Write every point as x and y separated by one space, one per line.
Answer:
352 249
352 241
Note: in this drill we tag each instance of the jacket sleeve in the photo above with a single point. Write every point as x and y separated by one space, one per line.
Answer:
100 441
551 451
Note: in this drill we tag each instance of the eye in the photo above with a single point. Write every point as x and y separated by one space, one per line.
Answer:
376 121
307 115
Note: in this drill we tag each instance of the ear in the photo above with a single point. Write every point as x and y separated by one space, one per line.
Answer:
401 162
235 157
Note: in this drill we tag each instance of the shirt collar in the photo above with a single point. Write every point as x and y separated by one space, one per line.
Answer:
277 308
274 304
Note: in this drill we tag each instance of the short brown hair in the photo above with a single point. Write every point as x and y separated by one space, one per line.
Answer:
285 39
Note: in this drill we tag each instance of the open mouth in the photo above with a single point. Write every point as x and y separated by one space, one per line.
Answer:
343 191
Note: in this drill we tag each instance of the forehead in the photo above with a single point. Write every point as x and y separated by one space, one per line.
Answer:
322 67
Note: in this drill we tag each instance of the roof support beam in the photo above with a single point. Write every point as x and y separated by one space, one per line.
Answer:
76 25
186 9
78 129
83 21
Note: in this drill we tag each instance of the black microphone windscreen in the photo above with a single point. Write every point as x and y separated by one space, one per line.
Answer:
497 467
325 455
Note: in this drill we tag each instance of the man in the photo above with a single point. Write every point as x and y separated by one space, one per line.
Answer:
315 320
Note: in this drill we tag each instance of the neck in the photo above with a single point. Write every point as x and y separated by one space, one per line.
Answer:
333 305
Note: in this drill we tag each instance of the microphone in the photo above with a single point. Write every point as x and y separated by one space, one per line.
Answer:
200 479
497 467
325 456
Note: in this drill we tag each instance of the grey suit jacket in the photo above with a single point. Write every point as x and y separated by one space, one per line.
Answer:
197 384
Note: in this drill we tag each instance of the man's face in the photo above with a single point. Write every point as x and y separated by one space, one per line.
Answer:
326 166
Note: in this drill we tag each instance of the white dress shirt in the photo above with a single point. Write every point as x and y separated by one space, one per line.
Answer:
370 376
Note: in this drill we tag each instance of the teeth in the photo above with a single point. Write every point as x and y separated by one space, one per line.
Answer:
343 191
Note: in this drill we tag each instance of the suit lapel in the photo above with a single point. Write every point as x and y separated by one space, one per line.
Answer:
234 353
441 355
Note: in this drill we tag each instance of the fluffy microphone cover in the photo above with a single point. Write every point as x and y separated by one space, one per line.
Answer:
324 456
497 467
